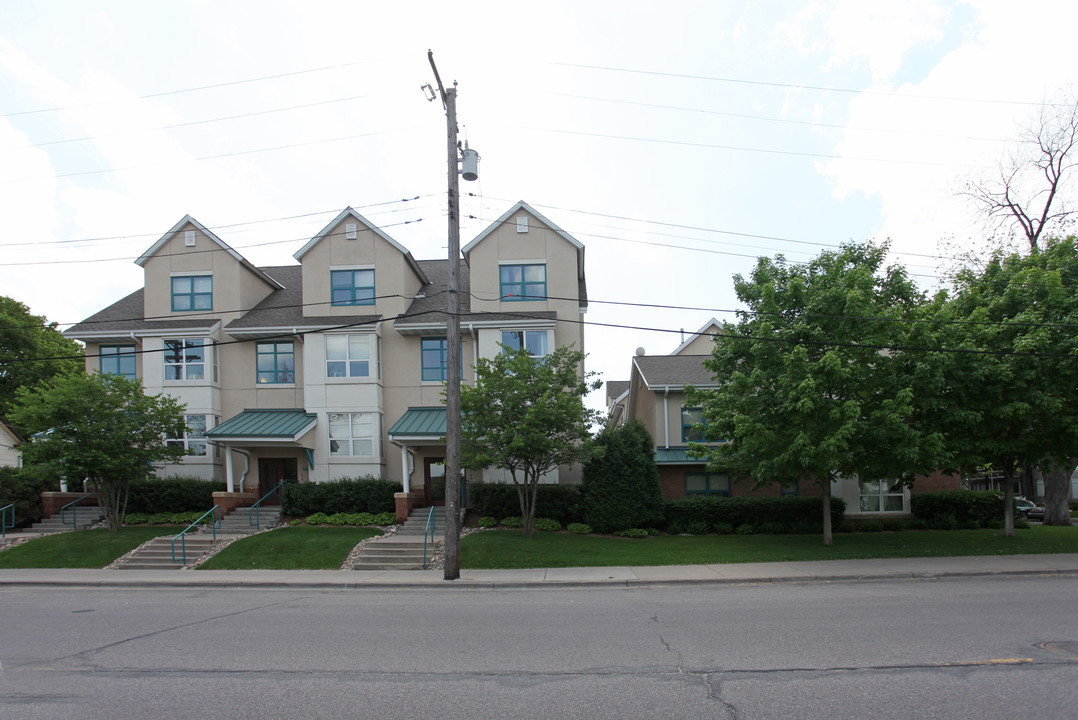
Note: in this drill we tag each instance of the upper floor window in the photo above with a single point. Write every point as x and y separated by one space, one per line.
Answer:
117 360
351 355
881 496
534 341
523 282
187 359
351 287
351 434
790 487
691 418
433 353
717 484
192 292
194 436
275 362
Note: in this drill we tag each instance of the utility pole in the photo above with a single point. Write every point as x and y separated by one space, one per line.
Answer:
452 331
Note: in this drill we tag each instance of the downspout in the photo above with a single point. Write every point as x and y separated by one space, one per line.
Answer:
246 465
666 416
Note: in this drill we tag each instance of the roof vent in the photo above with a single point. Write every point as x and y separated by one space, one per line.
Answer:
189 238
522 224
350 231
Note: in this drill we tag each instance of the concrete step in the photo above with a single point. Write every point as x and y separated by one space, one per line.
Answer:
135 564
84 518
360 565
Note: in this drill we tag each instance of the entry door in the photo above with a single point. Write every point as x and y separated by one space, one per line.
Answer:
434 481
271 471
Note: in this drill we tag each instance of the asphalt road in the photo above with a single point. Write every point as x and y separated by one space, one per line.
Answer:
1001 647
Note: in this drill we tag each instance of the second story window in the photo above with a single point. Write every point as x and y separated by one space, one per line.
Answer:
187 359
522 282
351 287
194 437
433 354
690 419
534 341
192 292
117 360
351 356
275 362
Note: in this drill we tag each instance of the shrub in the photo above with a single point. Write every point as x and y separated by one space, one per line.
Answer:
632 533
513 522
560 502
172 494
488 522
547 524
952 509
365 494
1021 523
696 527
318 518
745 529
870 526
579 528
796 514
22 487
621 484
723 528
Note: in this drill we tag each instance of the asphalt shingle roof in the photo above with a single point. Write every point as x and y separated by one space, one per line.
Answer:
662 370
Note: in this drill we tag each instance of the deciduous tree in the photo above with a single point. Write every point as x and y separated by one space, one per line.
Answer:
31 350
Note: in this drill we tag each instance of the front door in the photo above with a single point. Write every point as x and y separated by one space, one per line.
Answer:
271 471
434 481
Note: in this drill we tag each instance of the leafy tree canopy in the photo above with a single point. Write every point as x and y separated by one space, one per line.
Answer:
621 483
31 350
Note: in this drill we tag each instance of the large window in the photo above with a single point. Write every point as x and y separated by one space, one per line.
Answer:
523 282
275 362
351 356
351 287
881 496
351 434
433 352
194 438
692 422
535 341
117 360
187 359
717 484
192 292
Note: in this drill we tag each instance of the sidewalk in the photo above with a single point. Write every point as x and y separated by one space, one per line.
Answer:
748 573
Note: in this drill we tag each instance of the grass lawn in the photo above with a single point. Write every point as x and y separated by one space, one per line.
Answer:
81 549
291 548
494 549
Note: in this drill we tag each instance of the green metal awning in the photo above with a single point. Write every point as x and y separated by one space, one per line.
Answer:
265 426
676 456
420 422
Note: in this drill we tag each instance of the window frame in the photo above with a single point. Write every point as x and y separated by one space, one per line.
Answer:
517 290
191 440
885 491
207 361
708 491
351 288
525 333
333 420
347 360
117 354
687 434
193 294
277 355
442 370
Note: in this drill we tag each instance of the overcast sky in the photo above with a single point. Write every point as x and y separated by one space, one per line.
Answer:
677 140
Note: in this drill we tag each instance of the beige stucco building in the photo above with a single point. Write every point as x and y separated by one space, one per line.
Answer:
333 367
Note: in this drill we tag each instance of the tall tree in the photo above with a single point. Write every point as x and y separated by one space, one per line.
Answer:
527 415
813 380
100 427
1020 384
31 350
621 481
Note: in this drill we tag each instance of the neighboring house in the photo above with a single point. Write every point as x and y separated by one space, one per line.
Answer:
655 395
10 455
334 367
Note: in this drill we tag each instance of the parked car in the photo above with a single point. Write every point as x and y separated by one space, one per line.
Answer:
1028 509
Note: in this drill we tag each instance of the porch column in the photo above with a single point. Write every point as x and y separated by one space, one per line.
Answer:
406 477
229 485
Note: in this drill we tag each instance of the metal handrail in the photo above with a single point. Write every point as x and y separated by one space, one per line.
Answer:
430 530
216 512
3 519
256 520
74 511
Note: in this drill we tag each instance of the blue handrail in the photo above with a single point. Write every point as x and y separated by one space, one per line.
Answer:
430 530
4 524
74 510
253 514
216 512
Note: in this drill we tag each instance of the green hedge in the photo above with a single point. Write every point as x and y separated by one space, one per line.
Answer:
173 494
958 508
500 500
355 495
362 518
23 487
771 515
165 518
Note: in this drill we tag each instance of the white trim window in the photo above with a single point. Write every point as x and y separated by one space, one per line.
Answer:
186 359
537 342
881 496
352 356
351 434
194 437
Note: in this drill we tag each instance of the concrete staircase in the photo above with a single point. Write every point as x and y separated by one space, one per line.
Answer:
404 549
84 518
157 554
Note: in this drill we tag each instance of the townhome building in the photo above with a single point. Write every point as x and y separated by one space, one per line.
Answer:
655 395
333 367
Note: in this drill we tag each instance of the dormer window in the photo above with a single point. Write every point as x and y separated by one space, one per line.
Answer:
192 292
351 287
523 282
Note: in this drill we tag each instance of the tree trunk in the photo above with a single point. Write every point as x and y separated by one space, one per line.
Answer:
1057 477
1008 501
110 495
826 496
1027 485
528 492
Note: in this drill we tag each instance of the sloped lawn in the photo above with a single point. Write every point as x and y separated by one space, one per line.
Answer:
291 548
506 549
80 549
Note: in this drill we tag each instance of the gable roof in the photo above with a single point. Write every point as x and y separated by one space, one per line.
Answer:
145 257
712 323
349 212
521 205
673 371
